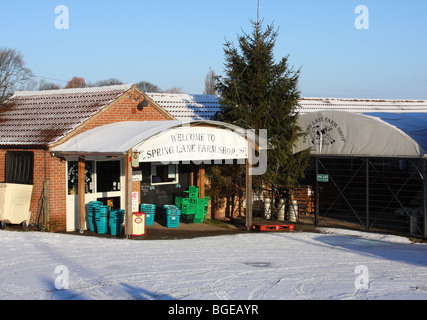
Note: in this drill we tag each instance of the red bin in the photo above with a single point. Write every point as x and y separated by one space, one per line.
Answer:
138 224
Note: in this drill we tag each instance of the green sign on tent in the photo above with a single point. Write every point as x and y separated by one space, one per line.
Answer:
323 178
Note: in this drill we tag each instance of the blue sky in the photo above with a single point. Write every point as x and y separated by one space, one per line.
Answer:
174 43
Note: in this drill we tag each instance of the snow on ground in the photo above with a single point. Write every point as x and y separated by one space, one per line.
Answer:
333 265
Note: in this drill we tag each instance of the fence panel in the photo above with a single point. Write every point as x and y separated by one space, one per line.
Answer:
377 194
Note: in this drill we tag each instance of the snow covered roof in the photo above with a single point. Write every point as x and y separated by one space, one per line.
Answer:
188 106
204 107
38 118
362 105
343 133
76 91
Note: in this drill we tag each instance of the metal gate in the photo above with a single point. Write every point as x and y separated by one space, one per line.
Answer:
379 194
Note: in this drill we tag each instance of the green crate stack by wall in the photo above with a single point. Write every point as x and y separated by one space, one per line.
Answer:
171 216
193 192
92 216
194 209
188 211
150 212
200 207
116 220
101 218
179 201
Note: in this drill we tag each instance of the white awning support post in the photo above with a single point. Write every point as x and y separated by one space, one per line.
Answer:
128 194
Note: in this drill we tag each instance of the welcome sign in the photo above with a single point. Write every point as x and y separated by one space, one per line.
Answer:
195 143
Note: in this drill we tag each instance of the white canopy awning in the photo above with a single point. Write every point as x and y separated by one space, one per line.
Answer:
163 141
341 133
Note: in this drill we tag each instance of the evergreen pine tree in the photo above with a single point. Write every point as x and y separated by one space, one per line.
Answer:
259 93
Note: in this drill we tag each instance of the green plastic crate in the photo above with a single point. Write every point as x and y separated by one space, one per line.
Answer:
198 201
187 218
188 208
199 213
180 201
198 220
193 189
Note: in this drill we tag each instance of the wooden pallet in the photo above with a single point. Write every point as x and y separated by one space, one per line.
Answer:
273 227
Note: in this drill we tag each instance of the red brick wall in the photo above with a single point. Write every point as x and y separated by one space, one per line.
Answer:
56 171
52 169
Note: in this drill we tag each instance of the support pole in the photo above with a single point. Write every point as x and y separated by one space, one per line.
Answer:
81 192
249 191
201 180
128 194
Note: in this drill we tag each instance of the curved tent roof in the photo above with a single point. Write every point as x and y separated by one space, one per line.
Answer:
413 124
341 133
118 138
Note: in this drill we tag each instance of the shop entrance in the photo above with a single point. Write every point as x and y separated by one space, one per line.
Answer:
104 181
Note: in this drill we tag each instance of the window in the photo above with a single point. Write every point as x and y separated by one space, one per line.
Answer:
108 176
19 167
164 174
101 176
73 181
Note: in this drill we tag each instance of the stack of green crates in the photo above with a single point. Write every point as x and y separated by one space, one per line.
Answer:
200 207
171 216
150 212
116 221
193 208
92 216
101 218
188 212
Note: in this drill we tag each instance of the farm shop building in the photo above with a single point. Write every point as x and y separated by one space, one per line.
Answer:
46 137
43 135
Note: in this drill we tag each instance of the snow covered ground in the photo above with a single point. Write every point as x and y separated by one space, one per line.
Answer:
337 264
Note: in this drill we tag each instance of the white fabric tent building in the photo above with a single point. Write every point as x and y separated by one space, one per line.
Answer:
341 133
368 168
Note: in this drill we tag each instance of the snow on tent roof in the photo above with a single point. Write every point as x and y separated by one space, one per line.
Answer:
203 107
307 105
342 133
118 138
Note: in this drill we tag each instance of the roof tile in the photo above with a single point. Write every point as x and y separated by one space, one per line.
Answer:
38 118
